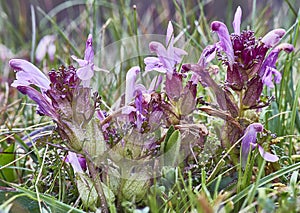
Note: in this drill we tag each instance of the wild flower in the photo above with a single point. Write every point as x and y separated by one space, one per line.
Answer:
65 100
87 66
77 162
245 56
250 63
249 143
168 56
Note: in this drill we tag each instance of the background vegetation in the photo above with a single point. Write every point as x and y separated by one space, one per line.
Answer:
33 175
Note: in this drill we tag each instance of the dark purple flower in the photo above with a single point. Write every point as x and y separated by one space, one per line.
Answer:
167 56
245 54
249 143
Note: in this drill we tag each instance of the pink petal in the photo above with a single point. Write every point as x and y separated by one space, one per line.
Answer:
81 62
237 21
85 73
130 83
170 35
266 155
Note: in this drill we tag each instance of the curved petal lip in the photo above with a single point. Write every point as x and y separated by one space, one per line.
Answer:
27 73
267 156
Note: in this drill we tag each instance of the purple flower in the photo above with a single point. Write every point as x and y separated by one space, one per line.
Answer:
87 67
249 141
27 75
207 55
140 95
77 162
268 68
245 54
167 56
273 37
46 46
225 42
131 83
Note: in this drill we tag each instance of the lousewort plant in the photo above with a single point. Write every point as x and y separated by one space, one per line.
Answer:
250 64
116 152
132 142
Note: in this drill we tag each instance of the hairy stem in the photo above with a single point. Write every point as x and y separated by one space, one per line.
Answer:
97 184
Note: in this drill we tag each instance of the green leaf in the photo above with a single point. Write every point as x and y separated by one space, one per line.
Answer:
265 180
87 191
7 157
172 148
168 135
136 186
17 202
56 205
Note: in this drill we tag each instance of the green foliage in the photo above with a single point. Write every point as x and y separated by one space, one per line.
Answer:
36 179
7 158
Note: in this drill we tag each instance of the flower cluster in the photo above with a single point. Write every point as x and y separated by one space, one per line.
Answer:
66 101
146 112
250 64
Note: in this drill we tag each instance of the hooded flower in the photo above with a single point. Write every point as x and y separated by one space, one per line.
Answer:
46 46
27 75
249 142
167 56
87 67
268 68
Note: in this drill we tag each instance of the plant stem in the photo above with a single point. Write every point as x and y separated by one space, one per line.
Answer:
241 106
98 186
